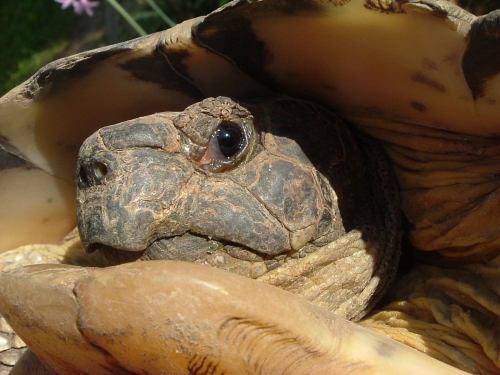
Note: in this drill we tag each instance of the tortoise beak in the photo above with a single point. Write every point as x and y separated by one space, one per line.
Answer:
127 175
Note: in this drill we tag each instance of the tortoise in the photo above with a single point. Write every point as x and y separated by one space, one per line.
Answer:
432 107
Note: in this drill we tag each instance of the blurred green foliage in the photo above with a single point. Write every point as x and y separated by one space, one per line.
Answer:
35 32
28 27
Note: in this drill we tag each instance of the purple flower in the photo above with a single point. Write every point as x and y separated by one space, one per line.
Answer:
79 6
86 5
67 3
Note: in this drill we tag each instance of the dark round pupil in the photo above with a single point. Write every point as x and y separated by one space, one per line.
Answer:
229 141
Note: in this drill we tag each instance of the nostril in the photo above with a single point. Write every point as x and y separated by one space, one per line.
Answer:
92 173
100 170
82 175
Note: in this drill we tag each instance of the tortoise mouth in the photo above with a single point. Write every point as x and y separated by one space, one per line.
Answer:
344 275
205 250
113 256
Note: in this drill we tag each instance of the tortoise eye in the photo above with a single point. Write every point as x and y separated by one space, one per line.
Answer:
227 142
230 139
228 146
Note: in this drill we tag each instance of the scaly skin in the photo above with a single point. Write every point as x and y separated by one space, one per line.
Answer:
421 76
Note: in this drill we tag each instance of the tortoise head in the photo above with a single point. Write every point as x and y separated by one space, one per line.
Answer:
244 187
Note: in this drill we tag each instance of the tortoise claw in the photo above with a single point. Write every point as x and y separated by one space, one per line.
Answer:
175 317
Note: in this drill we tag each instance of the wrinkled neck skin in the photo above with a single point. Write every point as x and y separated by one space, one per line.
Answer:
449 189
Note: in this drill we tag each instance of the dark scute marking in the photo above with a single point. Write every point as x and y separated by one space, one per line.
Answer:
419 106
481 60
8 161
11 157
155 68
329 87
61 73
421 78
492 101
429 64
229 31
178 60
236 39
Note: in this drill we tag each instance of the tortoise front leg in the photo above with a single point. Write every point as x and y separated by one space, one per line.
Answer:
182 318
